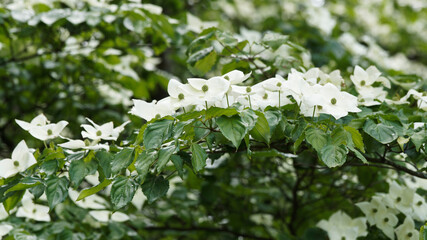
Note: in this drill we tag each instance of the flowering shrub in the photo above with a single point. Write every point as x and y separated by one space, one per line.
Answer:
257 143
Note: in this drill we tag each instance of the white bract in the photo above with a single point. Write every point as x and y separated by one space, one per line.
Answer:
181 95
80 144
38 121
400 198
33 211
341 226
236 77
3 213
105 131
5 229
90 202
210 90
419 208
21 159
106 216
386 221
370 209
148 111
407 231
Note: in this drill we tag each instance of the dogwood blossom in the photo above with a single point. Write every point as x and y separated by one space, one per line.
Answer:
362 79
148 111
91 202
33 211
400 197
209 90
5 229
106 216
419 208
370 209
80 144
105 131
407 231
236 77
21 159
181 95
386 221
341 226
38 121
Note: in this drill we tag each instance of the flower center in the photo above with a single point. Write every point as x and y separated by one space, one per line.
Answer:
334 101
157 116
87 143
34 210
362 83
248 89
265 96
181 96
227 78
419 203
385 220
343 238
374 210
319 107
398 199
98 133
205 88
15 163
279 84
49 132
409 234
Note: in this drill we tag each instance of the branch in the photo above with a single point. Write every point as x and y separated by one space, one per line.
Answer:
398 167
206 229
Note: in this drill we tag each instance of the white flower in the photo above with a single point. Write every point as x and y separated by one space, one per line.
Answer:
33 211
80 144
419 208
105 216
5 229
210 90
3 213
340 103
92 202
148 111
138 199
182 95
196 25
362 78
400 198
49 131
341 226
106 131
370 209
40 120
370 96
236 76
407 231
21 159
386 220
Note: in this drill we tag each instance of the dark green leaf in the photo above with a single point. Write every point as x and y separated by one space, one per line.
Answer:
90 191
122 160
157 132
380 132
154 187
13 200
122 191
79 169
144 161
232 128
178 162
56 190
316 137
356 137
164 156
261 131
198 158
334 155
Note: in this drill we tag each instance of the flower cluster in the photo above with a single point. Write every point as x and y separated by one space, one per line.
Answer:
381 211
314 91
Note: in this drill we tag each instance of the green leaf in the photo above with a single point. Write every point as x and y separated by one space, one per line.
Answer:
316 137
380 132
140 136
79 169
122 160
144 161
273 119
90 191
56 190
298 142
356 137
274 40
261 131
334 155
25 183
214 112
178 162
358 154
198 158
11 202
418 139
164 156
155 187
122 191
249 119
157 132
232 128
105 158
